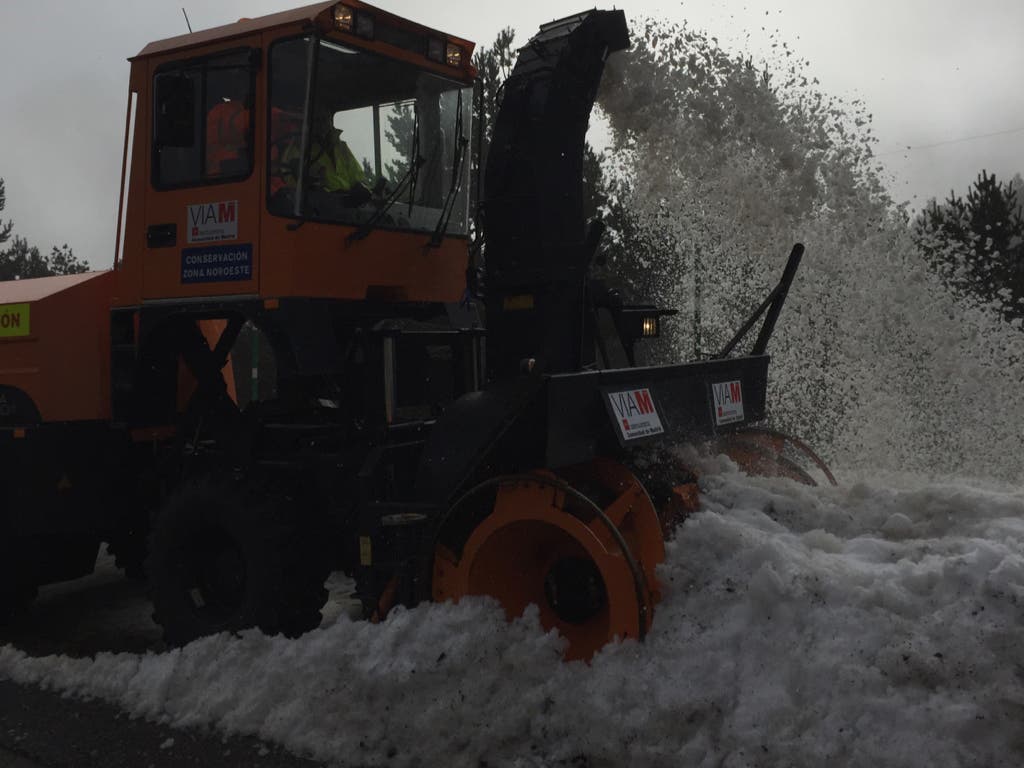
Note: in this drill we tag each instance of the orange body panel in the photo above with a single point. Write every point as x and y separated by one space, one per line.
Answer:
63 361
315 260
162 268
311 261
128 290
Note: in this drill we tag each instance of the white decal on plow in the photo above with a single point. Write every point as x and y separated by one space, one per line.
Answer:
636 415
728 402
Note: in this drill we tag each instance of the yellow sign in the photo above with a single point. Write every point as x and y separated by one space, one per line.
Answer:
515 303
365 551
14 320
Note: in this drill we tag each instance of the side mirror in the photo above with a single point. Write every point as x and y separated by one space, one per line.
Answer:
175 123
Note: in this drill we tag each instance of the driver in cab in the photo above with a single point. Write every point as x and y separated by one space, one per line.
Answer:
332 166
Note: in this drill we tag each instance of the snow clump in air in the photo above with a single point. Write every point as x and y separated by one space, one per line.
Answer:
721 163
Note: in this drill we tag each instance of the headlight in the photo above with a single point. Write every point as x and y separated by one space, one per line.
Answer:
640 321
344 18
347 20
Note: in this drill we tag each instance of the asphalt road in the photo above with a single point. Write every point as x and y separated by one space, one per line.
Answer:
13 760
42 729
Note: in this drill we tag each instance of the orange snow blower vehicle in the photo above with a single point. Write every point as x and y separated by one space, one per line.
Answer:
297 194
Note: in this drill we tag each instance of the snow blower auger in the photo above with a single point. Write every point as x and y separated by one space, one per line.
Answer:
378 427
759 450
767 452
549 511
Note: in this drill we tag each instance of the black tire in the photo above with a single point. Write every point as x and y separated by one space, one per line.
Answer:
17 580
128 538
15 599
129 545
225 558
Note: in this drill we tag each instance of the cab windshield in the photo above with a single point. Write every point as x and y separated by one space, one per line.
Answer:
357 138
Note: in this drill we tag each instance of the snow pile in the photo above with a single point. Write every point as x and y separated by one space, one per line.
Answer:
861 626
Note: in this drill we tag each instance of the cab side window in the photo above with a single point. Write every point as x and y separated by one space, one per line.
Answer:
202 121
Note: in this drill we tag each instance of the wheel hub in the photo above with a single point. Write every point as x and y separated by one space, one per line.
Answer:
221 576
575 590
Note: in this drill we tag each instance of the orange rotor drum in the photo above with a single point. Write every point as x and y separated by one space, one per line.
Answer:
586 559
768 453
683 501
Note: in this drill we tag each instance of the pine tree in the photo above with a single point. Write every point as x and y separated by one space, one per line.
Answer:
5 229
976 243
62 261
21 261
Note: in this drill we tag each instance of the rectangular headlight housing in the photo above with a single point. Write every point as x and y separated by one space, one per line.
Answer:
435 50
344 18
641 321
364 25
453 55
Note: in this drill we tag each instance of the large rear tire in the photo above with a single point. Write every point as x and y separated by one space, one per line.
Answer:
128 546
225 558
17 580
16 595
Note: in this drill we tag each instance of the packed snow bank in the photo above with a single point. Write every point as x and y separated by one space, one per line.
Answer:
858 626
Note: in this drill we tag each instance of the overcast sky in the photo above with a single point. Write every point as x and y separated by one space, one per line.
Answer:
932 72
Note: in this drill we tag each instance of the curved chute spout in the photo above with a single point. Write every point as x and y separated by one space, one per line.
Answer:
537 251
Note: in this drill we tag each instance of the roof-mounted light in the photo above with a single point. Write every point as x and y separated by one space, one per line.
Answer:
347 19
444 52
344 18
435 50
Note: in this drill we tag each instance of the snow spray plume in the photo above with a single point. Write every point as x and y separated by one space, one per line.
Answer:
722 165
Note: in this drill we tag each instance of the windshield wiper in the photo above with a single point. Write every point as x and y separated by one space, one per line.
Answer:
408 180
458 160
418 159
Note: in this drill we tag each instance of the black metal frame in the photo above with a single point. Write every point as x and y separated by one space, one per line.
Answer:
772 305
200 63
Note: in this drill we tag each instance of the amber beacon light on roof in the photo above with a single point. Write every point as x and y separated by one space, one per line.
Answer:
361 23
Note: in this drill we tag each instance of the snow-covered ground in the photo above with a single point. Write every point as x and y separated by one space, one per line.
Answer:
877 623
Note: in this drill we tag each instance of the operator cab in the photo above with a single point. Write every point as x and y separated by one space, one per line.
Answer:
401 129
316 153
